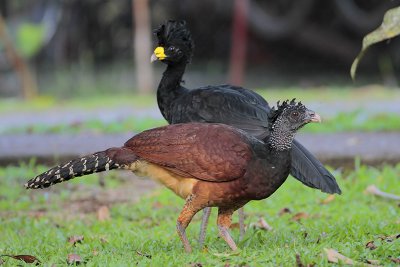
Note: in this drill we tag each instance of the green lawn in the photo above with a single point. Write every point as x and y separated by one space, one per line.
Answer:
39 223
342 122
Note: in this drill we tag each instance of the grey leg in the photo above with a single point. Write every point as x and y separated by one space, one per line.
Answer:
203 226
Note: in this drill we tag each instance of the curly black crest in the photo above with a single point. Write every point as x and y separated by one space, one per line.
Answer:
275 112
174 32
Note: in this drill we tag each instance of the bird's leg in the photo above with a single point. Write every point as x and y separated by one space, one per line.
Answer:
241 223
203 226
186 215
224 222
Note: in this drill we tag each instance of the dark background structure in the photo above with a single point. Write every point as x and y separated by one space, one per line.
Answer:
286 42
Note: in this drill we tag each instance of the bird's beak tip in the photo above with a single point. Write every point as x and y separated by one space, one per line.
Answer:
316 118
153 58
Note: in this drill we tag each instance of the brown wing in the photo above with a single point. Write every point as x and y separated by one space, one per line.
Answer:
210 152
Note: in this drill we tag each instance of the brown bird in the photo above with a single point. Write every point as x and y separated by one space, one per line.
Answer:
209 165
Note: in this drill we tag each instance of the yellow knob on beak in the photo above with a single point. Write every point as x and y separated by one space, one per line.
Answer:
158 54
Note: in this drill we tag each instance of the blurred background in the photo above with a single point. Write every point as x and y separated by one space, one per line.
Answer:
83 67
75 78
79 48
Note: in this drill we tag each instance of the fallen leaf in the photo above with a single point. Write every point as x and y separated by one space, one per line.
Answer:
371 245
103 240
75 239
389 238
234 226
373 190
74 259
284 211
103 214
300 215
262 224
196 264
1 261
334 257
143 254
298 261
25 258
374 262
395 260
329 199
157 205
95 252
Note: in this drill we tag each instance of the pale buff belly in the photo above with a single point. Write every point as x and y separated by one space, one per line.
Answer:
179 185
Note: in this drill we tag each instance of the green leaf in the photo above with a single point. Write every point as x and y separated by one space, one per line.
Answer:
389 28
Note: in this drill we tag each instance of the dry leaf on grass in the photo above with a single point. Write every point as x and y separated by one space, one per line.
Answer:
374 262
284 211
373 190
329 199
25 258
395 260
300 264
335 257
262 224
298 261
234 226
300 215
103 214
371 245
389 238
103 240
157 205
74 259
143 254
75 239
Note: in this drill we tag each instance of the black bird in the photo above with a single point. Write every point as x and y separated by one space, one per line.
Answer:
208 164
228 104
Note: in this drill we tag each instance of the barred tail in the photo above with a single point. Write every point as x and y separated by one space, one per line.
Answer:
96 162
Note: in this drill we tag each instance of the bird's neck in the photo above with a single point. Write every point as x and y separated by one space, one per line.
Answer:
170 87
280 140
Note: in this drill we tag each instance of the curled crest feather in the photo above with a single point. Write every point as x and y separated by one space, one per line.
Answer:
275 112
174 32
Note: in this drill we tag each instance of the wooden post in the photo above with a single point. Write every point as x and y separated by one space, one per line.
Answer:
239 42
142 43
27 80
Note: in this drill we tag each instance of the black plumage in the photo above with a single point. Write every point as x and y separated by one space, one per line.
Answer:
228 104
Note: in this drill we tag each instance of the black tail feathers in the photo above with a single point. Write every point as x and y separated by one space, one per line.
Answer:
310 171
96 162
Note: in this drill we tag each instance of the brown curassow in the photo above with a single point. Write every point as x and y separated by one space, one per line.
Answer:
209 165
231 105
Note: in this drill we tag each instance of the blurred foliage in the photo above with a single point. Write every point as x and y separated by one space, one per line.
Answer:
30 38
389 28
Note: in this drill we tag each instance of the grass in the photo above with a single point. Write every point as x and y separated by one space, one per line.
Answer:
39 223
100 99
342 122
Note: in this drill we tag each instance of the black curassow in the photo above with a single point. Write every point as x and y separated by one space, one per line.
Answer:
208 164
231 105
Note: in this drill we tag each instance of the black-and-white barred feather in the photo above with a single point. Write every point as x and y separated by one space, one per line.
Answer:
96 162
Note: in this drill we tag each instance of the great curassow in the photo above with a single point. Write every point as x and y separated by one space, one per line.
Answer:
227 104
209 165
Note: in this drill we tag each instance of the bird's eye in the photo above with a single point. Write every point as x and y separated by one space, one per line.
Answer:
295 114
171 48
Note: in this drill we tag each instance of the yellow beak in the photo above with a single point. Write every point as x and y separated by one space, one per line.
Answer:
158 54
